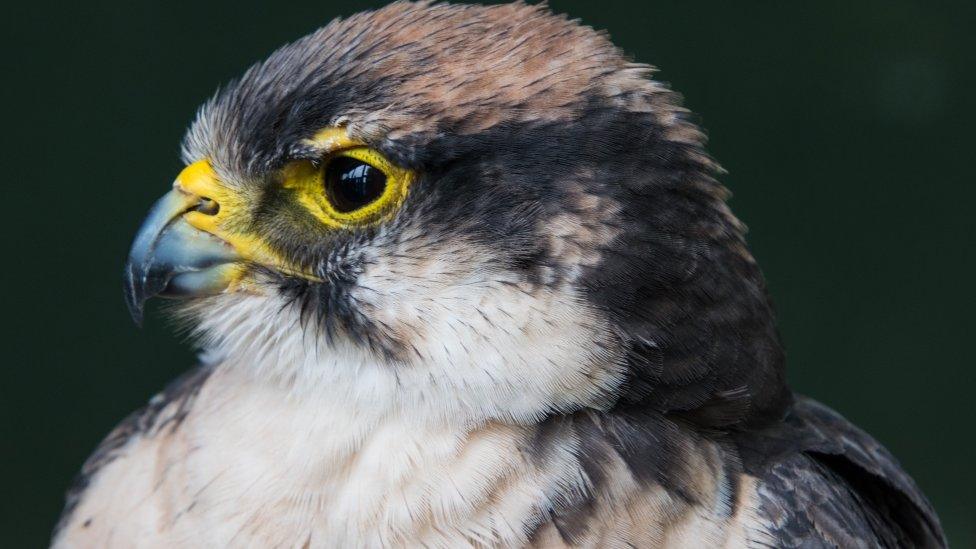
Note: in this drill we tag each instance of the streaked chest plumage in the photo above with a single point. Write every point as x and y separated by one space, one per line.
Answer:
248 468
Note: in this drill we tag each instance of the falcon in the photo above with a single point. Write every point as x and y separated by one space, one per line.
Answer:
464 276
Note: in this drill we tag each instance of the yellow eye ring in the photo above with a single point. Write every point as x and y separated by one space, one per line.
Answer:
351 188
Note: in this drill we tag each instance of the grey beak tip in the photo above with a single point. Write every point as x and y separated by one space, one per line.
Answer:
136 311
171 258
133 295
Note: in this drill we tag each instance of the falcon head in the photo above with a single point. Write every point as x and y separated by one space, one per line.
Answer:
463 212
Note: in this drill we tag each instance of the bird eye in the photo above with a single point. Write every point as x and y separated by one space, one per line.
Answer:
351 188
351 184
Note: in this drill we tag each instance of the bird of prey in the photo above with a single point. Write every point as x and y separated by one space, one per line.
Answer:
464 276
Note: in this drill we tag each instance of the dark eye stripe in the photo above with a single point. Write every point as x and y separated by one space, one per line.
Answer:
351 183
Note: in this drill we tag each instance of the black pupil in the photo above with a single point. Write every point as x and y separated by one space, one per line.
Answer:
351 184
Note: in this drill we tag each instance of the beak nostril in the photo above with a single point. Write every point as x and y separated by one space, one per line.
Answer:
208 206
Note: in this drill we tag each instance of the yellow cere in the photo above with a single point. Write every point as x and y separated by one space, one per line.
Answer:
199 179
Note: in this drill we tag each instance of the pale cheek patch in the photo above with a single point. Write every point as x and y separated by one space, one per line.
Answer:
476 343
496 346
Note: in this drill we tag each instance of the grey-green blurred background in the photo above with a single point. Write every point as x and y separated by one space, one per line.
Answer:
846 127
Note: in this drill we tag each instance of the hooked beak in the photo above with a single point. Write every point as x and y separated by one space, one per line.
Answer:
172 258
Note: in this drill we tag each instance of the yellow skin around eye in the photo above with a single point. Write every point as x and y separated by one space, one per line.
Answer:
307 180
